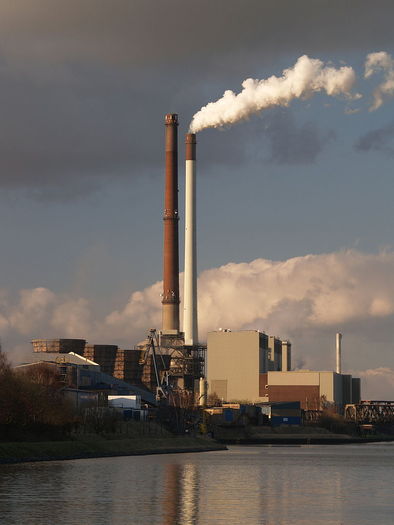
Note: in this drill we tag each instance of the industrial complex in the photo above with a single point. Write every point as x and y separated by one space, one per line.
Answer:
172 366
252 366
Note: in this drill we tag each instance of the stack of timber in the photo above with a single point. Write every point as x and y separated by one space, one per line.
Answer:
128 366
103 355
61 346
134 366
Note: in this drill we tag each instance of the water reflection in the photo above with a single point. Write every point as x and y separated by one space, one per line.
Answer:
181 494
171 494
246 485
189 500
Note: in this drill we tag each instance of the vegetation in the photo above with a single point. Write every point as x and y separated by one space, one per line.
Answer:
31 403
336 423
98 446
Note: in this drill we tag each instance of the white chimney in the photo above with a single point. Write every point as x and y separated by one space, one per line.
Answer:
338 353
190 274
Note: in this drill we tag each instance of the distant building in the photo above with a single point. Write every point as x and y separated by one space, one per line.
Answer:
274 353
79 373
286 356
131 366
249 365
235 360
312 388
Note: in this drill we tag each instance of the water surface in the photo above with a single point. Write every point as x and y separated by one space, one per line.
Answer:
281 485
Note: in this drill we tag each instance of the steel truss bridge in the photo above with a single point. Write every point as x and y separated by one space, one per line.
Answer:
370 412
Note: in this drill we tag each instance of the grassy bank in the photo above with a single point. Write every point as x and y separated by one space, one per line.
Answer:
307 439
304 435
95 446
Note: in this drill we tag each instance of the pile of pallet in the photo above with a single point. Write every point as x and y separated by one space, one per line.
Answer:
60 346
128 366
103 355
133 366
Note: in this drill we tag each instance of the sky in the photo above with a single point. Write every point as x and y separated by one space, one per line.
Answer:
295 214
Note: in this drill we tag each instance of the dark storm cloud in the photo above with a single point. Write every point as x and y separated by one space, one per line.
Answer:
71 125
378 140
85 83
141 31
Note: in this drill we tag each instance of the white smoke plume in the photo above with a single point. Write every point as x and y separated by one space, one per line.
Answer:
307 77
374 63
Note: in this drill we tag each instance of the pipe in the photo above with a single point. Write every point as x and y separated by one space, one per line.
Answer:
286 356
170 301
339 353
190 325
203 390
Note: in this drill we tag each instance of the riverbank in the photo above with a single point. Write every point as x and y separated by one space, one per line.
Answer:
309 439
95 447
303 435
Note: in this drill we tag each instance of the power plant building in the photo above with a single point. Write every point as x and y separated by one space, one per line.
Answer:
236 359
314 389
252 366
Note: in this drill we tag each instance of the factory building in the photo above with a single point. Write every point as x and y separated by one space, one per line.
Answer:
236 359
78 371
250 365
134 366
312 388
279 354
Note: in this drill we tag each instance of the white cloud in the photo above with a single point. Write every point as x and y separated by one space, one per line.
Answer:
306 299
72 318
39 312
376 383
374 63
143 311
321 290
33 308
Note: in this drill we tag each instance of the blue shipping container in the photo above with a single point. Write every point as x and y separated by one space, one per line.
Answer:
228 415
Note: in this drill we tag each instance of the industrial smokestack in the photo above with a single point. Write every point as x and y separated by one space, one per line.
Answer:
339 353
170 300
190 274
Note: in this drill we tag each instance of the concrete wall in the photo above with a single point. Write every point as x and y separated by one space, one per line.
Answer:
308 396
292 386
338 388
327 386
286 356
234 360
300 377
346 389
356 390
274 353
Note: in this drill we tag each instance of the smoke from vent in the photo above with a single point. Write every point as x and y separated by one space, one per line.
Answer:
306 77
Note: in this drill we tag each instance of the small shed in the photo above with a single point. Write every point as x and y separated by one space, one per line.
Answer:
282 412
